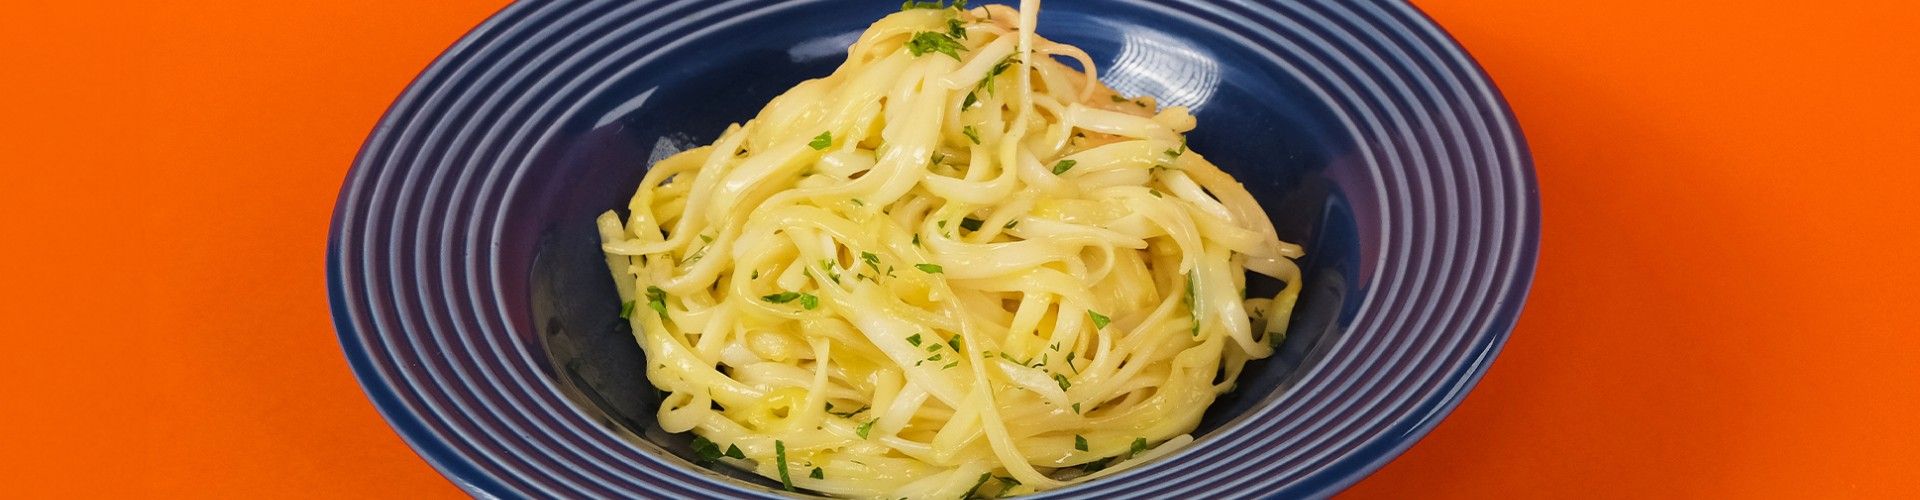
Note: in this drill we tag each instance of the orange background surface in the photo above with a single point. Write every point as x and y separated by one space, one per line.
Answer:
1724 307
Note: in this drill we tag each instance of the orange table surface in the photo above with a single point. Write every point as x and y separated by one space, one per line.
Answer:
1725 302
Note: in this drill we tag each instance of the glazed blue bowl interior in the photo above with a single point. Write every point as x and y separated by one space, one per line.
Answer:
472 297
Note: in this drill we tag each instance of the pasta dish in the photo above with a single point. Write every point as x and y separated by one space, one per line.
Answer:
958 266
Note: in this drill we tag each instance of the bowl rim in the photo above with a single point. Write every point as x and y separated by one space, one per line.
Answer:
1460 380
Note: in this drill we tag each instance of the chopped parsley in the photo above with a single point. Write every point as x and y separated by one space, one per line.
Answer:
858 203
1011 224
657 300
911 4
1100 321
954 343
1076 408
626 309
1062 379
781 298
1063 166
865 428
984 476
916 239
706 450
1156 193
827 265
971 224
972 99
971 133
823 141
818 474
872 261
950 365
1079 442
956 29
1139 445
914 339
928 268
809 302
780 454
987 82
1193 304
847 414
930 41
733 452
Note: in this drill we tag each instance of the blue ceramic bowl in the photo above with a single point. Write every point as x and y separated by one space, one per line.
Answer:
470 295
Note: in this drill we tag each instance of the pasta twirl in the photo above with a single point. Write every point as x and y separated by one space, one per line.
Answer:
956 266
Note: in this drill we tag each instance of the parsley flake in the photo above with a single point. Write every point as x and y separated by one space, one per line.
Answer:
971 133
1079 442
781 298
818 474
971 224
1063 166
1062 379
1100 321
929 41
657 300
929 268
780 454
865 428
821 142
626 309
914 339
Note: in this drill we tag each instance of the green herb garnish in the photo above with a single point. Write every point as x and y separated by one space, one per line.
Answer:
1193 304
1063 166
1100 321
1062 379
984 476
865 428
818 474
809 302
1079 443
914 339
929 41
971 133
781 298
971 224
657 300
626 309
705 449
1139 445
780 453
1076 408
956 29
929 268
733 452
823 141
